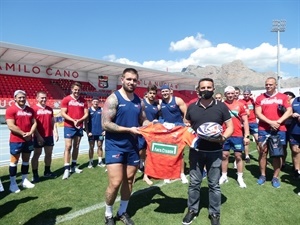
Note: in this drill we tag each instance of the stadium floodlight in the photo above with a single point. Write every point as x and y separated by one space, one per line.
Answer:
278 26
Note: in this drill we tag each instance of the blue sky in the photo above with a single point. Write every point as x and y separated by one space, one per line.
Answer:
159 34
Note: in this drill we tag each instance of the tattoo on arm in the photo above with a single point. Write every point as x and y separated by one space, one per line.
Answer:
108 114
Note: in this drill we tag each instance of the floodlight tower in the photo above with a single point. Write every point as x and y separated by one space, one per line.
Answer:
278 26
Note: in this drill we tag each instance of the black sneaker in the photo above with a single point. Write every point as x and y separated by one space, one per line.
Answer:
189 217
296 175
247 160
50 175
35 179
214 219
109 221
125 219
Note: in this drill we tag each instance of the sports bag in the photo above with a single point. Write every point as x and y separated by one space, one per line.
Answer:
275 146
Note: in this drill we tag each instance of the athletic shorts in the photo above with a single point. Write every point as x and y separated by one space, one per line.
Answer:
96 138
234 143
295 139
142 144
71 132
262 136
48 141
131 158
21 147
253 127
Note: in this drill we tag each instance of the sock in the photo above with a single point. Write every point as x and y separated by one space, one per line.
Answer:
141 163
67 166
240 175
25 167
108 210
123 207
24 176
47 169
99 159
224 174
74 163
35 172
247 156
12 170
91 161
13 179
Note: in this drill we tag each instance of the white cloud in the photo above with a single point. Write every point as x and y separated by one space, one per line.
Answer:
189 43
262 58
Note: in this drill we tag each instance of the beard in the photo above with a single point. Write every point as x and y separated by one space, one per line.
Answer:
127 89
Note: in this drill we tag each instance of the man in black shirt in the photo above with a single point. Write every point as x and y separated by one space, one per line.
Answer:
209 153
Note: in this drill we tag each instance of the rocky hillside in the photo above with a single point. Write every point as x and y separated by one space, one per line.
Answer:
237 74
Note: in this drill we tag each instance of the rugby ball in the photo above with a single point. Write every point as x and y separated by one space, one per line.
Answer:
210 130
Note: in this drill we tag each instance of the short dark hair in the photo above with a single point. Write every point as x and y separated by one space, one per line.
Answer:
130 70
152 87
205 79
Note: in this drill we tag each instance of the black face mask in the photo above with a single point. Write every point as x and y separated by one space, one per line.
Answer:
206 94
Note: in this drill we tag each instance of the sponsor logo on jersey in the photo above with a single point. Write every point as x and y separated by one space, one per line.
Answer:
43 112
76 103
24 113
167 149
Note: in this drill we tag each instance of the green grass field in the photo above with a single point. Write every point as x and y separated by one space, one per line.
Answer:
80 199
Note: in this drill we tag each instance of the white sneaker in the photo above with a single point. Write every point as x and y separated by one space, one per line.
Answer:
1 187
90 165
241 182
223 180
66 174
183 178
27 184
75 170
167 181
101 164
14 188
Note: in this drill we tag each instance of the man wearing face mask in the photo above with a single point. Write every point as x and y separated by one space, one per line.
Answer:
209 153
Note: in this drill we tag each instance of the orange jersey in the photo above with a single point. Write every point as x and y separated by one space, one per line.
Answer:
165 146
236 110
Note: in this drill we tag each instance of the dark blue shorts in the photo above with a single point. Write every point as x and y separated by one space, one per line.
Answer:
48 141
71 132
262 136
21 147
128 158
253 127
96 138
295 139
234 143
142 142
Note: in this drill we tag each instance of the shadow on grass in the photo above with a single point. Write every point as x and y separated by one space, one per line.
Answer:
48 217
166 204
154 195
10 206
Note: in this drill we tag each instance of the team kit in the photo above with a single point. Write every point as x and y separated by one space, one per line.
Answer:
148 133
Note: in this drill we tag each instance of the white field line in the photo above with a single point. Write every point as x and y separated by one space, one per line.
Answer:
84 211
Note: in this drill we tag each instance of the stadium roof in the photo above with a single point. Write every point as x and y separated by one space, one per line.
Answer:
26 55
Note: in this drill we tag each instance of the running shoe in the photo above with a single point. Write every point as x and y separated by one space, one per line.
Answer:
261 180
189 217
275 182
125 218
27 184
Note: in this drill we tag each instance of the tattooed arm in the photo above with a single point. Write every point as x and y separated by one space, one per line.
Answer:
108 114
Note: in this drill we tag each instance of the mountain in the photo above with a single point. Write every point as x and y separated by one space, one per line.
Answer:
237 74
